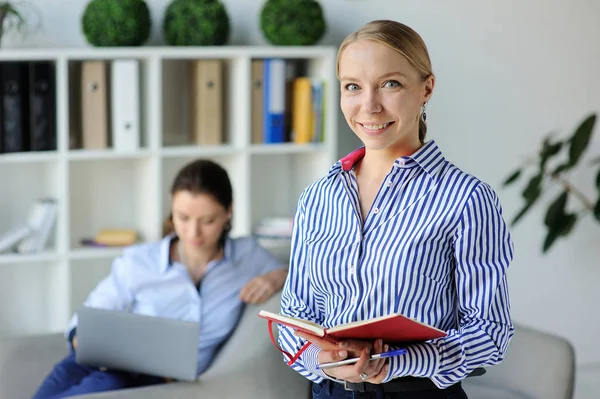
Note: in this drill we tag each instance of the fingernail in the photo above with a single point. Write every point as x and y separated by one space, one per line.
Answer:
380 342
368 351
386 348
342 353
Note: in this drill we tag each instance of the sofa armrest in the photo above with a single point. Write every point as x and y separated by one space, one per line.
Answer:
26 361
537 365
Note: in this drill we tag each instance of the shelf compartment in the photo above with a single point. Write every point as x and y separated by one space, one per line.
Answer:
93 89
111 193
199 101
279 179
23 185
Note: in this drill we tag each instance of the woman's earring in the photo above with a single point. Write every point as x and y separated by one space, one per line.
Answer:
423 113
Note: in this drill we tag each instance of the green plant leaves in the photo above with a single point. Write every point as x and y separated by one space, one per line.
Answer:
581 139
556 210
562 226
530 194
557 220
533 189
549 150
512 177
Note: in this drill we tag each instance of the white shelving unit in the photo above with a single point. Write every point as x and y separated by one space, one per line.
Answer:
107 189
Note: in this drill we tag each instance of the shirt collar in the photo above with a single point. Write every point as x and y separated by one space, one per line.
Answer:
429 157
165 245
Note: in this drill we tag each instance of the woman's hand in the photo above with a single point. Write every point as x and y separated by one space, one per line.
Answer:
257 290
374 370
261 288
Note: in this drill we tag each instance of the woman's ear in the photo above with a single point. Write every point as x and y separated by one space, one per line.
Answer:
428 86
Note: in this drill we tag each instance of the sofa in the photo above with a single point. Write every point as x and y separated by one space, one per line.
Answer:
538 365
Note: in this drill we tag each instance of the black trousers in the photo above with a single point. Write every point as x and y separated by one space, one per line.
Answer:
328 389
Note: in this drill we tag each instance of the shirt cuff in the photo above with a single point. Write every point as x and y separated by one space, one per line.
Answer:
421 360
310 359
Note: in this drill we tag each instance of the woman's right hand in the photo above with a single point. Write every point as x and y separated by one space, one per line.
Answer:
74 342
376 370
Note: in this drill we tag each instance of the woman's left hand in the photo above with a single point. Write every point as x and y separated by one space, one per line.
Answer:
258 290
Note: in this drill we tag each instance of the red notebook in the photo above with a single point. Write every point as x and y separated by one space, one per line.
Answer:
394 328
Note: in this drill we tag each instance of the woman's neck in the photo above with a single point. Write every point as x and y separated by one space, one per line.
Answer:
378 163
197 259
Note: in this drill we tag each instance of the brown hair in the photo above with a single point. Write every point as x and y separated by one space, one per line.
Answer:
400 38
202 177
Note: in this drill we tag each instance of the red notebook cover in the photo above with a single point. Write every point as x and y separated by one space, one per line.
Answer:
394 328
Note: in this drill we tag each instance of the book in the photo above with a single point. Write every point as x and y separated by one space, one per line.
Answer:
394 328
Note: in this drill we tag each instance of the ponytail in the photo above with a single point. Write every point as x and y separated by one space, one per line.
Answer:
168 227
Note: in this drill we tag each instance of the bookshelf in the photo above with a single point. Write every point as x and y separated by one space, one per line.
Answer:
111 189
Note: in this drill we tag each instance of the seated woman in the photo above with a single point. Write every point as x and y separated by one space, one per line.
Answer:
222 274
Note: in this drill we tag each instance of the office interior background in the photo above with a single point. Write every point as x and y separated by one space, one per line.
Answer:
508 73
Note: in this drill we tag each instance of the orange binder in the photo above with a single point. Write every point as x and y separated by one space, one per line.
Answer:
206 102
94 105
302 112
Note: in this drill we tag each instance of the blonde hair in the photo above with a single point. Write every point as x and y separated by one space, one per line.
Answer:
400 38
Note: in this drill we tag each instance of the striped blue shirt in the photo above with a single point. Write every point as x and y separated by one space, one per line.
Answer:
433 247
144 280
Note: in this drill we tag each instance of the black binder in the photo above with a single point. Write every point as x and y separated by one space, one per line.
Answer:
42 106
14 104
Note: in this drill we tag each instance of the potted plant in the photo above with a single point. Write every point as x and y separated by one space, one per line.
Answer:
12 17
196 23
108 23
551 167
292 22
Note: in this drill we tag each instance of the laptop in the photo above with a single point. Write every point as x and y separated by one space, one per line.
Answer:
137 343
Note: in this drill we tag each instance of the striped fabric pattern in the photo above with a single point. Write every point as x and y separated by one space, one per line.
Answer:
433 247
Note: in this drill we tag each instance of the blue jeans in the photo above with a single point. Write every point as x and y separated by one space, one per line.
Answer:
69 378
328 389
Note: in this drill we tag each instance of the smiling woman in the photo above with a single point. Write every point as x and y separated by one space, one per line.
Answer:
394 227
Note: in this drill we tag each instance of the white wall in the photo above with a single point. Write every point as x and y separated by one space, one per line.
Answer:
508 71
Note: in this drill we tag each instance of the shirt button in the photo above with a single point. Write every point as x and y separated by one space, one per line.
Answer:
401 162
351 270
353 300
376 210
389 183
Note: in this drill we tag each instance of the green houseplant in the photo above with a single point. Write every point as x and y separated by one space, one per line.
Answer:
292 22
107 23
196 23
554 162
13 17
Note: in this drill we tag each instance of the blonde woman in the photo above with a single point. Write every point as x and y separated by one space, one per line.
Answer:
396 227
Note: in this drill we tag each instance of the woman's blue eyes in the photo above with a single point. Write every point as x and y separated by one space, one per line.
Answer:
390 84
